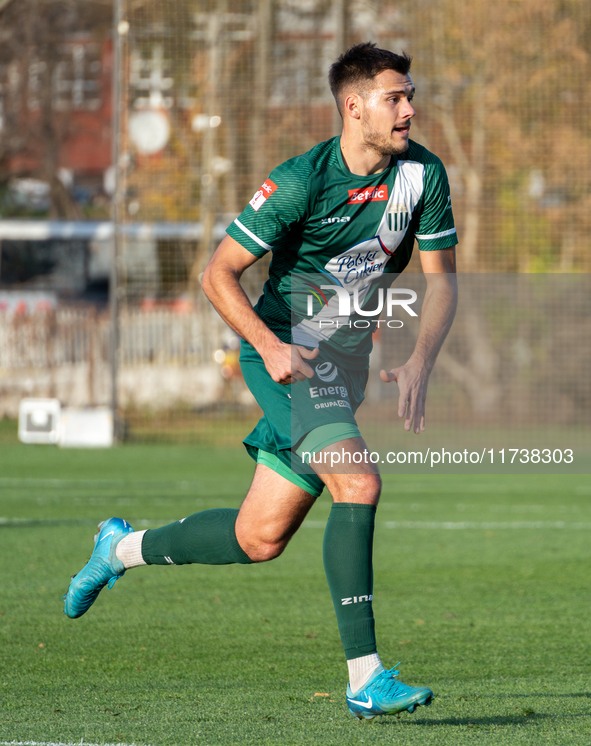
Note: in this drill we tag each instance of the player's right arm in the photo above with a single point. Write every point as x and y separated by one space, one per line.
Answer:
221 283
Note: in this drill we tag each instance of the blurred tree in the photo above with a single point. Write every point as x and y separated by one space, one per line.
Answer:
506 83
36 119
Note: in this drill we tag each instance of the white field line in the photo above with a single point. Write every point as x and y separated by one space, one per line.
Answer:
60 743
487 525
16 481
471 488
9 481
432 525
26 522
471 525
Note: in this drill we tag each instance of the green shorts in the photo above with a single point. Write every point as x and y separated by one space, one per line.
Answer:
305 416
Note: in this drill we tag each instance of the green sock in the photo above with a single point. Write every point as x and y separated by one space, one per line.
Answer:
348 543
206 538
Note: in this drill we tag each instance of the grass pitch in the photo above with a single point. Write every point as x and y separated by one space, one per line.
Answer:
482 590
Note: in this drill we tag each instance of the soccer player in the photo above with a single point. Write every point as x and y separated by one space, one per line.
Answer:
349 209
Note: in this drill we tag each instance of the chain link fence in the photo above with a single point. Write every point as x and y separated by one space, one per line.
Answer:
211 95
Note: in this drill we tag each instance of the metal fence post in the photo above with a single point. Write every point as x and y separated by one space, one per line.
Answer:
120 28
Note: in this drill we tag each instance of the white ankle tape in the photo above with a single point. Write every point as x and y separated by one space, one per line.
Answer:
361 670
129 550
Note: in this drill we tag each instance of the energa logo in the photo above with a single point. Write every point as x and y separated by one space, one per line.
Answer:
327 372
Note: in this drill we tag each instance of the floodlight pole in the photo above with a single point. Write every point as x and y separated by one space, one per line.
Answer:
119 31
341 21
258 145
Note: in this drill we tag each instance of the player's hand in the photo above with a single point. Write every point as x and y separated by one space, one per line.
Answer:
287 363
412 380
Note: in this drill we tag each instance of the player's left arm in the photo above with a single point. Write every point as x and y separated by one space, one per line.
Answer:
436 236
437 315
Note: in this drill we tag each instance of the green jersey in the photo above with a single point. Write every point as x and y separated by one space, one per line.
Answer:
322 221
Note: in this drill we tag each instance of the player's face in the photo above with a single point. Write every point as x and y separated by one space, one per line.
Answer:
386 113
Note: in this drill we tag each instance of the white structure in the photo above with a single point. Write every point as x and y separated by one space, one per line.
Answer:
85 428
38 420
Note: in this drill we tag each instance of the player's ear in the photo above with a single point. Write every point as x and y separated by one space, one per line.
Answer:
352 106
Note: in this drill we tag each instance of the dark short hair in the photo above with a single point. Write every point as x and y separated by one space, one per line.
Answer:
361 63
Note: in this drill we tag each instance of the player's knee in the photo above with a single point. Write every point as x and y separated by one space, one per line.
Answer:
371 487
263 551
360 488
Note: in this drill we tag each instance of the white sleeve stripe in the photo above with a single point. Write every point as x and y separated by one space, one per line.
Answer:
250 234
450 232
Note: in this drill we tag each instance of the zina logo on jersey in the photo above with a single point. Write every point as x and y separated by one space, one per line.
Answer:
398 217
331 221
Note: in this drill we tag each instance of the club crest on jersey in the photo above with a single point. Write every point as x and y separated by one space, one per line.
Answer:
262 195
398 217
370 194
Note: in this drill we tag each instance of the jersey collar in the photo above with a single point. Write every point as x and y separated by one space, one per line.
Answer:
370 177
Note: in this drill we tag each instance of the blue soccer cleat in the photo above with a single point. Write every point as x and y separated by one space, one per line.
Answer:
385 695
103 568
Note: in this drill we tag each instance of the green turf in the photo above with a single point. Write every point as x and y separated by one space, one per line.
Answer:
8 431
495 620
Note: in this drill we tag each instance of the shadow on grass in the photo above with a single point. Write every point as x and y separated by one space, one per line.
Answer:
469 721
586 695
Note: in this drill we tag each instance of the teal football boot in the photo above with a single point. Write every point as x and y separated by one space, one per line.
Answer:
385 695
102 569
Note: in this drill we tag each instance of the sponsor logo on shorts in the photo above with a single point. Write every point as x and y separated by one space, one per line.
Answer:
370 194
262 195
315 392
327 372
336 403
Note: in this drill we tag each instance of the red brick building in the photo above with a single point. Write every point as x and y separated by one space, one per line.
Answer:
55 97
